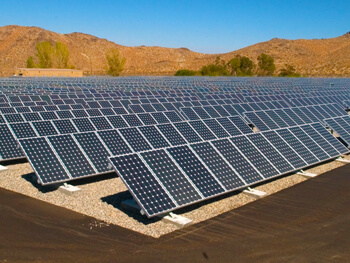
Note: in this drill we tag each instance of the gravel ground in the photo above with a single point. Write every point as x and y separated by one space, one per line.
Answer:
101 198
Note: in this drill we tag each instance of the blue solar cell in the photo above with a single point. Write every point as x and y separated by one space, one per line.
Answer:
132 120
240 124
187 132
172 135
202 130
216 128
154 137
135 139
101 123
145 188
84 124
195 171
23 130
44 128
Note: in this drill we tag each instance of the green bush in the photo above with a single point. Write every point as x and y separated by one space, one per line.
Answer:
240 66
115 62
288 71
266 65
185 72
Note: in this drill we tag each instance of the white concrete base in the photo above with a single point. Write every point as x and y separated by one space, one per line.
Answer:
255 193
69 189
3 168
342 160
177 220
307 175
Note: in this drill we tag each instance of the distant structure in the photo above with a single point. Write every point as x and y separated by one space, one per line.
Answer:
48 72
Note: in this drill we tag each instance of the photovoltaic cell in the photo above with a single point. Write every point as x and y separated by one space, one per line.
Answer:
216 128
95 150
172 116
117 122
297 146
72 157
229 126
285 149
23 130
132 120
155 138
160 117
202 130
172 135
270 152
43 160
241 125
237 161
64 126
196 171
257 159
114 142
84 124
187 132
44 128
135 139
101 123
32 116
149 194
217 165
171 177
147 119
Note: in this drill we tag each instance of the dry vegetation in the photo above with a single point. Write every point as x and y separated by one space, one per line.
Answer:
318 57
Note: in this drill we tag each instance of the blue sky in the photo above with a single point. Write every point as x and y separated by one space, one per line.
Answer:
203 26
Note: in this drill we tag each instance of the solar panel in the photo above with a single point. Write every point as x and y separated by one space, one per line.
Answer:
147 119
211 111
173 116
216 128
12 118
240 124
201 112
142 184
71 155
84 124
172 135
218 166
94 150
48 115
32 116
160 117
44 161
190 113
239 162
270 152
187 132
8 145
202 130
309 143
23 130
135 139
65 114
297 146
44 128
285 117
132 120
154 137
114 142
330 138
259 161
171 177
64 126
117 121
229 126
195 171
277 119
291 114
101 123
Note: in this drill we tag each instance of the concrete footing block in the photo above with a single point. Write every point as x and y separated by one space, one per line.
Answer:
68 189
3 168
307 175
342 160
177 220
255 193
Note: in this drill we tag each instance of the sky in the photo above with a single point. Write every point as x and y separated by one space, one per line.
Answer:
203 26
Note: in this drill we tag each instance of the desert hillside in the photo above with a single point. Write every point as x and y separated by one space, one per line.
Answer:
317 57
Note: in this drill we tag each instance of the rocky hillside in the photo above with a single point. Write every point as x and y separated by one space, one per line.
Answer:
318 57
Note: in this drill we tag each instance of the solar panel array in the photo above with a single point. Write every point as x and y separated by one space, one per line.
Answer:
173 141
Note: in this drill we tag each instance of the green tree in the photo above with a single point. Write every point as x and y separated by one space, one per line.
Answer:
266 65
240 66
288 71
185 72
30 62
44 52
214 70
61 55
115 62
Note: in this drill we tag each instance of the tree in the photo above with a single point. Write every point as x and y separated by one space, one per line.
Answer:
115 62
30 62
44 52
61 55
185 72
240 66
214 70
266 65
288 71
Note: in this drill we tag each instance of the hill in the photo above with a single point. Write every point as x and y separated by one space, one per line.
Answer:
317 57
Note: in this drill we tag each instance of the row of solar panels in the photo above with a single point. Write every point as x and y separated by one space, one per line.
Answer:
274 119
166 179
341 125
71 152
